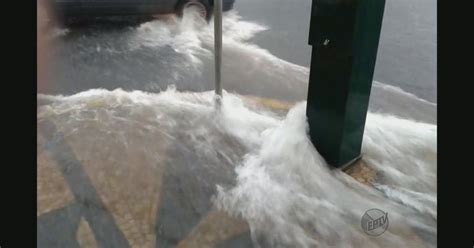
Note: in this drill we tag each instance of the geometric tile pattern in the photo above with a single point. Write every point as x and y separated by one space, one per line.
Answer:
85 236
121 186
52 190
131 193
215 228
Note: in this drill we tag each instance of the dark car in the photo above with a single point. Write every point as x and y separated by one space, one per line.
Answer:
67 10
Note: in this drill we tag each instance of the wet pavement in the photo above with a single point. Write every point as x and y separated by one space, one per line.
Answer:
140 186
114 177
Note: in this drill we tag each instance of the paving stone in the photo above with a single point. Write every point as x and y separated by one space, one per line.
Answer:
85 236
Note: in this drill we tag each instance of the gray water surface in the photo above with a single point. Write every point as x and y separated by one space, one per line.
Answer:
407 50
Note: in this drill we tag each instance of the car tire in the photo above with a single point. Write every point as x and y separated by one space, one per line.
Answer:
203 6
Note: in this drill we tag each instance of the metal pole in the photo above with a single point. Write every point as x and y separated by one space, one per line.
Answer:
345 37
218 45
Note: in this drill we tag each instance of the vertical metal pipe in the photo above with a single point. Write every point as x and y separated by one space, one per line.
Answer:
218 45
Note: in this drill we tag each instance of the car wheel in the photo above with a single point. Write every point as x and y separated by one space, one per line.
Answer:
203 7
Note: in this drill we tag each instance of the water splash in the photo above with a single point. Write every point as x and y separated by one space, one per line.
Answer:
290 197
284 188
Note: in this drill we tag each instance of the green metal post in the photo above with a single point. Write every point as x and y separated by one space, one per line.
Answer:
345 36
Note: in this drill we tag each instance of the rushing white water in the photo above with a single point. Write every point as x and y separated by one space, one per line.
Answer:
284 189
291 198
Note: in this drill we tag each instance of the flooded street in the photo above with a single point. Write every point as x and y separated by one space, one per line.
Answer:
133 152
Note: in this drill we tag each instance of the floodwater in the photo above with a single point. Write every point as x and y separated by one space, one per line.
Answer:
407 56
143 156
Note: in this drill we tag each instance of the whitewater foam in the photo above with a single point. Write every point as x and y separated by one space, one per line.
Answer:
284 189
291 198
